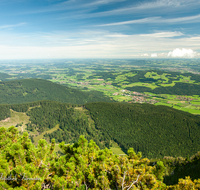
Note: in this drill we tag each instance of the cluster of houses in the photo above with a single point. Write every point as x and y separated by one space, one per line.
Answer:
116 93
184 98
136 97
139 99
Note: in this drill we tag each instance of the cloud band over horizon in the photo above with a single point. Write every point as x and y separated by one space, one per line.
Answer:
100 29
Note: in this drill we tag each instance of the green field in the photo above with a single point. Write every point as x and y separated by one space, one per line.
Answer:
41 136
112 76
116 149
16 118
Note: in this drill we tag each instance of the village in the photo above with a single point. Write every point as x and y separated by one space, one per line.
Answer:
129 96
137 97
184 98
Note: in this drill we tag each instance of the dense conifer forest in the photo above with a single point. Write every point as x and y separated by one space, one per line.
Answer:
157 131
154 130
29 90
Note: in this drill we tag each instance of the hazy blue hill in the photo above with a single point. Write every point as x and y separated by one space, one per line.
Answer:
29 90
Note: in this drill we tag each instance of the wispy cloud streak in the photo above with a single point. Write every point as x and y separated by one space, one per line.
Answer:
163 34
73 5
160 20
12 26
159 6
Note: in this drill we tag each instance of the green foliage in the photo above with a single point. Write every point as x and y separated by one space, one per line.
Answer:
181 168
186 184
82 166
159 170
22 164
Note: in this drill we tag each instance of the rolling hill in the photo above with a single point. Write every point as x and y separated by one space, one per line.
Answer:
29 90
156 131
5 77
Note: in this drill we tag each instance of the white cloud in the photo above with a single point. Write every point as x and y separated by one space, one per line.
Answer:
166 6
117 35
73 5
163 34
138 21
188 19
93 44
102 2
12 26
145 55
187 53
162 54
154 55
168 3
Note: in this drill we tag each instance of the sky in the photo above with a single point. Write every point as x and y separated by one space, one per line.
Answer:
58 29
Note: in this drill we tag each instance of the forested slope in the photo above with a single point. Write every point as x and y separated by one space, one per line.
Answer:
44 115
4 77
72 122
154 130
29 90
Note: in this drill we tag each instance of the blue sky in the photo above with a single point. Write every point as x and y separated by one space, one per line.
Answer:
36 29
